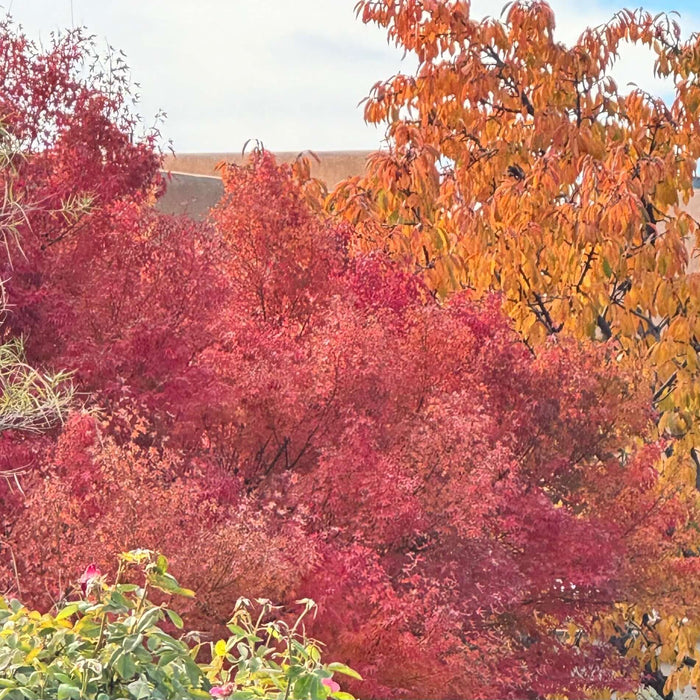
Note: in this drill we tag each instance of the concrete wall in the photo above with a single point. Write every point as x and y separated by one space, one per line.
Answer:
193 195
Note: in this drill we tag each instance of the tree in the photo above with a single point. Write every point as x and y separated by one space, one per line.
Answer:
517 165
72 151
288 419
68 152
30 400
68 110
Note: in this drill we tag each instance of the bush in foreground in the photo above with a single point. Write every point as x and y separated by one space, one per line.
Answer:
114 642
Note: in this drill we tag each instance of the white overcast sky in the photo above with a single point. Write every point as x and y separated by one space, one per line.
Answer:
287 72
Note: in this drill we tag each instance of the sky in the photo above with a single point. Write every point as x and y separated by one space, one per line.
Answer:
289 73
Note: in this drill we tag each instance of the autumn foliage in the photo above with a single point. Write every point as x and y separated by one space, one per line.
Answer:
516 164
288 412
287 420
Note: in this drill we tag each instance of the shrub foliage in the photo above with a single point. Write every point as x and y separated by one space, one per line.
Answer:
289 416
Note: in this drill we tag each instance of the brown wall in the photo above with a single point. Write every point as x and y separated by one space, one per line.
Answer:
193 195
195 186
332 166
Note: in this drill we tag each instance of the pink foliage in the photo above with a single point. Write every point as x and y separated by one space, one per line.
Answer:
284 419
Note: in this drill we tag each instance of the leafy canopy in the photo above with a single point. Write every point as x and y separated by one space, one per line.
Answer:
517 165
291 416
320 426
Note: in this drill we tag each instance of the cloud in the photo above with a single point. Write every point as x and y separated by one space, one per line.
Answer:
288 73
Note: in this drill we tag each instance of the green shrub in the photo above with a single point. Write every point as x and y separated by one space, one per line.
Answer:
271 659
110 645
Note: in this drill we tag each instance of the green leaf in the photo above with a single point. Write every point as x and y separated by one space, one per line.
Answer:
301 687
162 563
87 627
118 603
148 619
194 673
27 693
68 692
168 584
64 678
318 690
313 652
175 618
184 592
168 657
136 556
132 642
139 689
124 666
345 670
67 611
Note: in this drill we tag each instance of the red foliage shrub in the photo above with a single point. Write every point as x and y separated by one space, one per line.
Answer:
70 111
317 424
72 151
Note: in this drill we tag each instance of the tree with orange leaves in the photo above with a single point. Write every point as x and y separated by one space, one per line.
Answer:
516 164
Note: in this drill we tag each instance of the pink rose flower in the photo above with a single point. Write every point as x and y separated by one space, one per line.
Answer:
89 575
221 691
331 685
